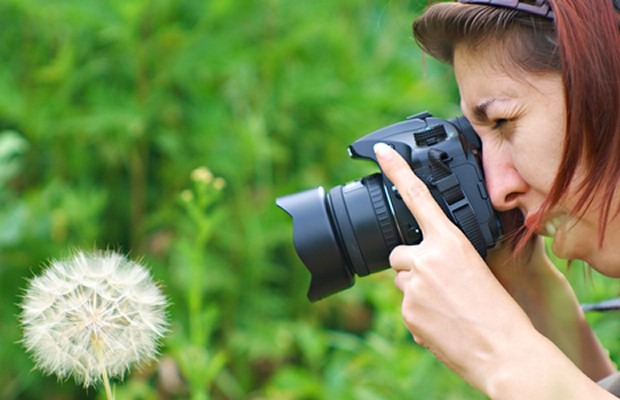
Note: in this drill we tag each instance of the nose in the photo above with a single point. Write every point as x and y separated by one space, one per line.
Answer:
504 183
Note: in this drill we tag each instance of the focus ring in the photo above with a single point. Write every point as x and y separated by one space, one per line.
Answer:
382 211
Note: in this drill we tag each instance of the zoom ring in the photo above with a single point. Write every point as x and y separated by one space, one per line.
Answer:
382 212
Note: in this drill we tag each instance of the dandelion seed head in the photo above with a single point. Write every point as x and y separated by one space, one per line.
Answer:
93 315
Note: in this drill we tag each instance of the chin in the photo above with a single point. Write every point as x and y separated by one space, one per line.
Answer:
573 244
564 250
608 268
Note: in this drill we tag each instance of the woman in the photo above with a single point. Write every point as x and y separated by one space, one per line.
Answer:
540 83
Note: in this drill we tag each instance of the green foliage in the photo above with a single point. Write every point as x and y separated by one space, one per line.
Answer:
106 108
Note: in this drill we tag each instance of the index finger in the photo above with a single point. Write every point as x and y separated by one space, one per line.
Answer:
412 190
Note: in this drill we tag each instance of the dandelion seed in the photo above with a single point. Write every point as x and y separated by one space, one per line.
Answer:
92 317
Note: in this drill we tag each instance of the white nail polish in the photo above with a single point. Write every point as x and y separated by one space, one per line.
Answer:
383 150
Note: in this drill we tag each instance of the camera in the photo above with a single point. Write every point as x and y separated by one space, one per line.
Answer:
352 229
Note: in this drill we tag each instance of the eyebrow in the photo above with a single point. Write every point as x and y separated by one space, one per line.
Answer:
480 110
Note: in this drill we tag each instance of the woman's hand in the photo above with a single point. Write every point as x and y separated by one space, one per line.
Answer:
453 304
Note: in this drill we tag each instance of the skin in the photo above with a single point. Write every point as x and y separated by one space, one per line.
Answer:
520 118
520 333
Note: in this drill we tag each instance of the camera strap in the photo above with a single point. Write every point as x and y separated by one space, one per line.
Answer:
605 305
445 181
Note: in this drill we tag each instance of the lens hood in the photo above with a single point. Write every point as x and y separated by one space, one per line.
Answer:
316 243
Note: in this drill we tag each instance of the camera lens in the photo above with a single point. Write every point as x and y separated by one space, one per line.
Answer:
348 232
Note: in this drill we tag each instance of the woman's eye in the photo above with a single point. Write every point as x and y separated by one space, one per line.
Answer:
499 123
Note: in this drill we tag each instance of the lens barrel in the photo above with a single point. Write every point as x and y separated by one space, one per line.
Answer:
348 232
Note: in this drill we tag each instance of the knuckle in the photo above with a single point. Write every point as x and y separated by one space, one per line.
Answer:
430 256
395 257
421 342
412 326
408 317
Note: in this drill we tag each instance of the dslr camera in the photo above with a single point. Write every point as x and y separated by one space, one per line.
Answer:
352 229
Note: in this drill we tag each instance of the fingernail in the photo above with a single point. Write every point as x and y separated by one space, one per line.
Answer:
383 150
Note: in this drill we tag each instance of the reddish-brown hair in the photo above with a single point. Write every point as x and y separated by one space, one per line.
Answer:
582 43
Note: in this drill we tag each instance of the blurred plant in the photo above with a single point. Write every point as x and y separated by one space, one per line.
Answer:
191 346
93 316
199 205
12 147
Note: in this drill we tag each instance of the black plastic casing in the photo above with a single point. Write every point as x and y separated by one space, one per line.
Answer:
352 229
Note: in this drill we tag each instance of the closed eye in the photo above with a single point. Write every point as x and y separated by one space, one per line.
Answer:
499 123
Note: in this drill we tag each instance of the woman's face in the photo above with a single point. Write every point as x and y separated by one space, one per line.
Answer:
520 117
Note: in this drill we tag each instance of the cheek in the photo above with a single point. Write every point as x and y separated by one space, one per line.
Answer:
538 172
537 159
506 162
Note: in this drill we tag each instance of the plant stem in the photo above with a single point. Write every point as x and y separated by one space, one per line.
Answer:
106 384
105 378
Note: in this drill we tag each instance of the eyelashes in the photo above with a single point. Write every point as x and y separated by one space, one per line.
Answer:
499 123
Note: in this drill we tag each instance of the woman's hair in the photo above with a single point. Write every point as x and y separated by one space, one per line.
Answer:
582 43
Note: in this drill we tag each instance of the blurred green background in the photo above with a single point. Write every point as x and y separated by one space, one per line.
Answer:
108 108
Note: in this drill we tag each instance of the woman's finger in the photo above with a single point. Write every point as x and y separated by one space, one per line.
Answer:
402 258
401 280
412 190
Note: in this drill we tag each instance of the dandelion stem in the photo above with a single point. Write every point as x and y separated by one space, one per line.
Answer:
104 371
106 384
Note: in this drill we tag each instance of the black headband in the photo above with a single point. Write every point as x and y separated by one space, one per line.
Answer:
536 7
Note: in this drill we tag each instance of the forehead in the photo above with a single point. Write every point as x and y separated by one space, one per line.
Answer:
484 73
481 70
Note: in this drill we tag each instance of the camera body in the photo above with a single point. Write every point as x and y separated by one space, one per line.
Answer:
352 229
